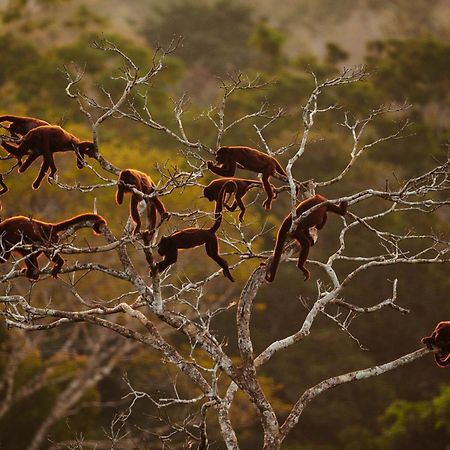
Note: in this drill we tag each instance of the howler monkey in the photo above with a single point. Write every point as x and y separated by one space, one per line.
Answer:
23 231
193 237
143 183
237 186
316 219
229 158
20 126
44 141
440 339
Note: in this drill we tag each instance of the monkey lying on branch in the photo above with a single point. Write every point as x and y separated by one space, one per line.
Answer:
440 339
229 158
19 126
237 186
142 182
193 237
316 219
20 230
44 141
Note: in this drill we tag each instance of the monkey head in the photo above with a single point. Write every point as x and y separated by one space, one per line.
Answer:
440 338
163 246
221 155
85 148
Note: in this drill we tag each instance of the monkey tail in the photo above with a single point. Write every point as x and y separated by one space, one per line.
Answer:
279 169
442 361
95 220
340 209
8 118
278 250
220 202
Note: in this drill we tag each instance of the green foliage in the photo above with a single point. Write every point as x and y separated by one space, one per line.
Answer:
214 34
409 424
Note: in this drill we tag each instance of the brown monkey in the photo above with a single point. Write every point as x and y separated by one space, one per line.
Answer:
229 158
237 186
143 183
316 219
193 237
20 230
440 339
20 126
44 141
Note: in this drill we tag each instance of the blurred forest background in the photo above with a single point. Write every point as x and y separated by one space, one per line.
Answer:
404 42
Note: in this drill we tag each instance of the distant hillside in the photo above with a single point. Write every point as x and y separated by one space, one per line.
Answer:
308 25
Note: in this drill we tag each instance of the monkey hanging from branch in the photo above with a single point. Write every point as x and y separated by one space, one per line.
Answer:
130 178
316 219
20 126
229 158
237 186
194 237
45 141
440 341
27 236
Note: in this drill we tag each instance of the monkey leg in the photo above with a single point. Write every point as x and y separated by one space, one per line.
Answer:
41 174
324 221
48 155
212 250
305 244
28 162
151 214
269 191
160 208
169 258
4 256
239 202
4 188
134 211
59 262
32 266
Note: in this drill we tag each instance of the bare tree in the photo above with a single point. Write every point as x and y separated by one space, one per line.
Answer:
155 307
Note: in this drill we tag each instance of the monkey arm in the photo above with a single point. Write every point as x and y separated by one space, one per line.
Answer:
224 170
170 257
134 203
304 240
119 193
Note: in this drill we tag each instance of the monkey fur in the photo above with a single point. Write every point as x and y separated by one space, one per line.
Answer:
44 141
316 219
229 158
237 186
19 126
20 230
440 339
142 182
193 237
